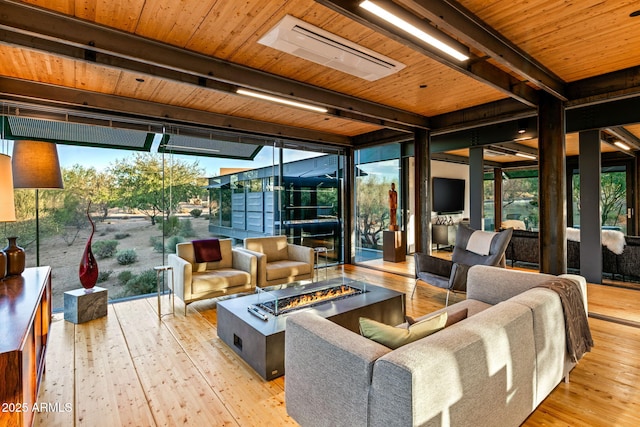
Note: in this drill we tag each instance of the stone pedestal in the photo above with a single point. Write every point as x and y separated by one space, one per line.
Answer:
82 305
393 249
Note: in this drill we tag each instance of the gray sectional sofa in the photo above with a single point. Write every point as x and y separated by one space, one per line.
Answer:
493 368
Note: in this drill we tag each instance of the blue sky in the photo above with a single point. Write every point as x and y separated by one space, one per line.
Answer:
102 158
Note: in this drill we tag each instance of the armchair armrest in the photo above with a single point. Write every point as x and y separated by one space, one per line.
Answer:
261 266
458 279
302 254
182 273
431 264
245 261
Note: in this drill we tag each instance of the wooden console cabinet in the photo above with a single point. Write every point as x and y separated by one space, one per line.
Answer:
444 235
25 317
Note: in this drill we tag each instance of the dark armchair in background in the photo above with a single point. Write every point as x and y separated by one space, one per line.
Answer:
452 274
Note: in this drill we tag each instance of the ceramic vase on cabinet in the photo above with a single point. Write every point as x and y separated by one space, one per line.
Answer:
15 257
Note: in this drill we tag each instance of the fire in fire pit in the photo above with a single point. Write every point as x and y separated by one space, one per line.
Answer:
289 304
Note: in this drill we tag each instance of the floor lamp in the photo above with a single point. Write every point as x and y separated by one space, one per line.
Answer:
36 165
7 205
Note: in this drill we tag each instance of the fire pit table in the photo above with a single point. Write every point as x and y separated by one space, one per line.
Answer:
254 325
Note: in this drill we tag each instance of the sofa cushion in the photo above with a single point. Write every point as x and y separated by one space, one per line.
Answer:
394 337
285 268
218 280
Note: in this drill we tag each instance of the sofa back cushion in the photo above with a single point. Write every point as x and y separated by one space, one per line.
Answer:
276 248
493 285
186 252
478 373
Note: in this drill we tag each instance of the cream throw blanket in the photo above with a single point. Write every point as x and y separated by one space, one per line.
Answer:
480 242
611 239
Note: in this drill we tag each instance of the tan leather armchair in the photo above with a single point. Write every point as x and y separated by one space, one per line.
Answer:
236 272
279 261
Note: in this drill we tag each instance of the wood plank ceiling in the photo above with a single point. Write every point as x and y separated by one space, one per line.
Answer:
181 61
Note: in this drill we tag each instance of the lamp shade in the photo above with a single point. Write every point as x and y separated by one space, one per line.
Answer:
7 205
36 165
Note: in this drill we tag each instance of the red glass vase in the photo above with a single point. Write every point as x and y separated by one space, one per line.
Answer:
88 266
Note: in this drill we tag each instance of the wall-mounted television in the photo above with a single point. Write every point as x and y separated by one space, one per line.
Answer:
448 195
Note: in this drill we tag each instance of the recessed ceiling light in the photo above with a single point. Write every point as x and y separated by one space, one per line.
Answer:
279 100
388 11
526 156
622 145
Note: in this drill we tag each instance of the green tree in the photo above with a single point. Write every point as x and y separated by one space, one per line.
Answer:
88 184
613 192
139 183
373 209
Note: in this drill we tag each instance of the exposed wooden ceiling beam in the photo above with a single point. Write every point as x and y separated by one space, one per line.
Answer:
606 87
468 28
79 100
477 68
481 115
35 28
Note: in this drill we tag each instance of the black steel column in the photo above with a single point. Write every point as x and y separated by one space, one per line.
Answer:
590 220
348 197
476 187
552 185
497 198
422 190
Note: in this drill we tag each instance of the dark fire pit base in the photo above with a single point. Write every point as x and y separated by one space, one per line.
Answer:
261 342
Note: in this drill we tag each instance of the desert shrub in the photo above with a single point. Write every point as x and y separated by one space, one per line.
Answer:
141 284
169 227
195 212
186 229
127 256
124 276
172 242
120 236
104 248
156 243
103 276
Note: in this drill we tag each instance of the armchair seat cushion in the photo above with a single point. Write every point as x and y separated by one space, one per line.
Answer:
218 280
286 268
434 279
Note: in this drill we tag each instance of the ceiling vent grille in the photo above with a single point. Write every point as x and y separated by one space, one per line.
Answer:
306 41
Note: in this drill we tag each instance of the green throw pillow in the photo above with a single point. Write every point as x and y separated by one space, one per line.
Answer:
393 337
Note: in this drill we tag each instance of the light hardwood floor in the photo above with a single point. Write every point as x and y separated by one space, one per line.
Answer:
130 369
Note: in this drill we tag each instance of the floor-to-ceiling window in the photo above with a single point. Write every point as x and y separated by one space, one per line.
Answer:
613 197
299 195
376 169
148 190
